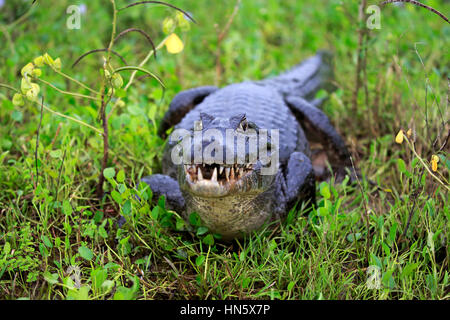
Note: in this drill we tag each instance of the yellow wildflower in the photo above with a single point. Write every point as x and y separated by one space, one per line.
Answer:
399 137
174 44
37 72
434 162
48 60
25 85
39 61
33 92
57 64
409 133
17 100
28 69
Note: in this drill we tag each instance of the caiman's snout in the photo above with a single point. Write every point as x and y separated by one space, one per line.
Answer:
224 158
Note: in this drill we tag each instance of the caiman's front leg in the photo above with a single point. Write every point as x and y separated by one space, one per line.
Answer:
168 187
297 184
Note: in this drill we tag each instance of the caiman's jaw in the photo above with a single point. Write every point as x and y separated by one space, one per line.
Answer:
218 180
217 139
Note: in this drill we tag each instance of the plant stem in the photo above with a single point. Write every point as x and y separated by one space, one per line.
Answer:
55 112
37 143
220 36
75 80
105 147
113 33
23 17
142 70
366 213
133 74
104 102
70 118
359 61
149 55
8 87
67 92
425 165
417 3
8 38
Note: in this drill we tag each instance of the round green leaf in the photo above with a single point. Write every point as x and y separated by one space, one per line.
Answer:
121 176
109 173
67 208
199 261
325 190
208 240
85 253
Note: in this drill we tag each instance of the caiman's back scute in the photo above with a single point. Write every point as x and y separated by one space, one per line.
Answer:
234 199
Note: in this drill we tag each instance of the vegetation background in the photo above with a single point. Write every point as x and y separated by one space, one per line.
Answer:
387 240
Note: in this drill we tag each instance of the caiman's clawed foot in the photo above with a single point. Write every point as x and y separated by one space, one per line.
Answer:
162 185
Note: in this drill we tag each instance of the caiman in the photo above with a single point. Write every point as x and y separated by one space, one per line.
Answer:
233 197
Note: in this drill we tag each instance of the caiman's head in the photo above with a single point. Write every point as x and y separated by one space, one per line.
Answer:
227 157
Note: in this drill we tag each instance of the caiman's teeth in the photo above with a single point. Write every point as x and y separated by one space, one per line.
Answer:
232 173
199 174
220 170
214 175
227 173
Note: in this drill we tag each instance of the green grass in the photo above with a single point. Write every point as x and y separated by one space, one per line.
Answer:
52 228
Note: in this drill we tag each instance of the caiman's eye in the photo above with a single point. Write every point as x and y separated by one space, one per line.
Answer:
243 125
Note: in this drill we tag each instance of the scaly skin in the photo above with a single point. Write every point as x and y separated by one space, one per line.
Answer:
235 199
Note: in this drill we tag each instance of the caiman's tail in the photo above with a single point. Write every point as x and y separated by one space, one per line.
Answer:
306 78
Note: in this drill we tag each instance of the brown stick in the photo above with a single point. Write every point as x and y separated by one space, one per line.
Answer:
160 2
105 147
420 5
98 50
141 32
445 141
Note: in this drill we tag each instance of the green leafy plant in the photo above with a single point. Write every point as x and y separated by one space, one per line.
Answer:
401 211
108 95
